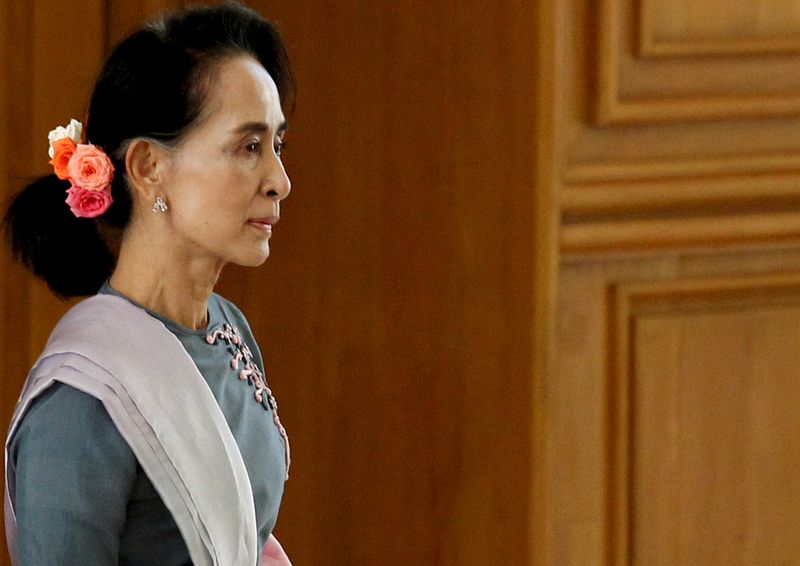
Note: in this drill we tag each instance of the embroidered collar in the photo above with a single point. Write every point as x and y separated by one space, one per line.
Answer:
250 372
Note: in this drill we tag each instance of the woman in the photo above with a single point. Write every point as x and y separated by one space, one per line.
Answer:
146 432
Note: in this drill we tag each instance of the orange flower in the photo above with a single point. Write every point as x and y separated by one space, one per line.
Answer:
62 151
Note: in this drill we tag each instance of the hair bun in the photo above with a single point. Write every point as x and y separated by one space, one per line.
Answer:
67 252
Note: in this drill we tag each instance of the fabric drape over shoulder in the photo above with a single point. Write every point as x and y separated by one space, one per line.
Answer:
116 352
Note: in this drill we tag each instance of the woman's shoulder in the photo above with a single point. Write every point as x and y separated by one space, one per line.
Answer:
61 401
63 417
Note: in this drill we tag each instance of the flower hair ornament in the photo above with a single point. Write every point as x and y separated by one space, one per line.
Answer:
87 167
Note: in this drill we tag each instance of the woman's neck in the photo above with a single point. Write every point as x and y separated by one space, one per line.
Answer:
167 281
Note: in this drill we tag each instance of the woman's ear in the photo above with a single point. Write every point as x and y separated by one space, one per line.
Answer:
145 162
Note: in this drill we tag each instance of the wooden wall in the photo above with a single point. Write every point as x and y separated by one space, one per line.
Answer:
396 314
396 308
535 296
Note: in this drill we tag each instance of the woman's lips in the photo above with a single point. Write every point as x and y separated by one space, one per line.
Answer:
263 224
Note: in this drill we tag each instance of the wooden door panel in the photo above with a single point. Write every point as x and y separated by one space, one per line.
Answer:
674 410
713 397
683 27
695 145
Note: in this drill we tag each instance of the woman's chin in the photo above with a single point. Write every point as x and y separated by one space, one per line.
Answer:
253 260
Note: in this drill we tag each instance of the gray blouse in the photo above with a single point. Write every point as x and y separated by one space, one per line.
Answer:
81 496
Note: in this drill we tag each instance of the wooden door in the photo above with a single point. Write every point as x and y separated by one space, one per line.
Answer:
672 427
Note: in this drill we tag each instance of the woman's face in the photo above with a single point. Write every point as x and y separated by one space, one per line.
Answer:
225 181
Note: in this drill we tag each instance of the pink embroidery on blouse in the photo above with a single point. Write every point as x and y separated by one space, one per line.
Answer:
251 374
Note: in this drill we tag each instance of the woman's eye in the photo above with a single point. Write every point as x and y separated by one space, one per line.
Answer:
253 147
280 145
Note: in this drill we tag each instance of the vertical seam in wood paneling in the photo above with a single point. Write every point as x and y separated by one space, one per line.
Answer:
618 427
546 268
608 61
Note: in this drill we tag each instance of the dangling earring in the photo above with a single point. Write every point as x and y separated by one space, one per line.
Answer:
160 205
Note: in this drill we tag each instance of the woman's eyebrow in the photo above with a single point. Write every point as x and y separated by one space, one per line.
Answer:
258 128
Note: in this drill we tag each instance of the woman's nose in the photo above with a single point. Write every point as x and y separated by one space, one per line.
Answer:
277 182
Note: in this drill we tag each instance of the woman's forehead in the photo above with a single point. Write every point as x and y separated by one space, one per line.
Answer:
243 95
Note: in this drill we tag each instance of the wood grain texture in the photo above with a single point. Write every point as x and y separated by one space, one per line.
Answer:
714 27
680 232
744 183
694 167
549 161
685 82
698 181
720 465
703 385
652 346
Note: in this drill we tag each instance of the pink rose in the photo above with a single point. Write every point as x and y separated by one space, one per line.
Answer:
90 168
87 203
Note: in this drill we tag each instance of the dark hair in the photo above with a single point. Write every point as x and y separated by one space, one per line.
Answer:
153 85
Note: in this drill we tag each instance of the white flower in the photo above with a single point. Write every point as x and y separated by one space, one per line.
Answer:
73 131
